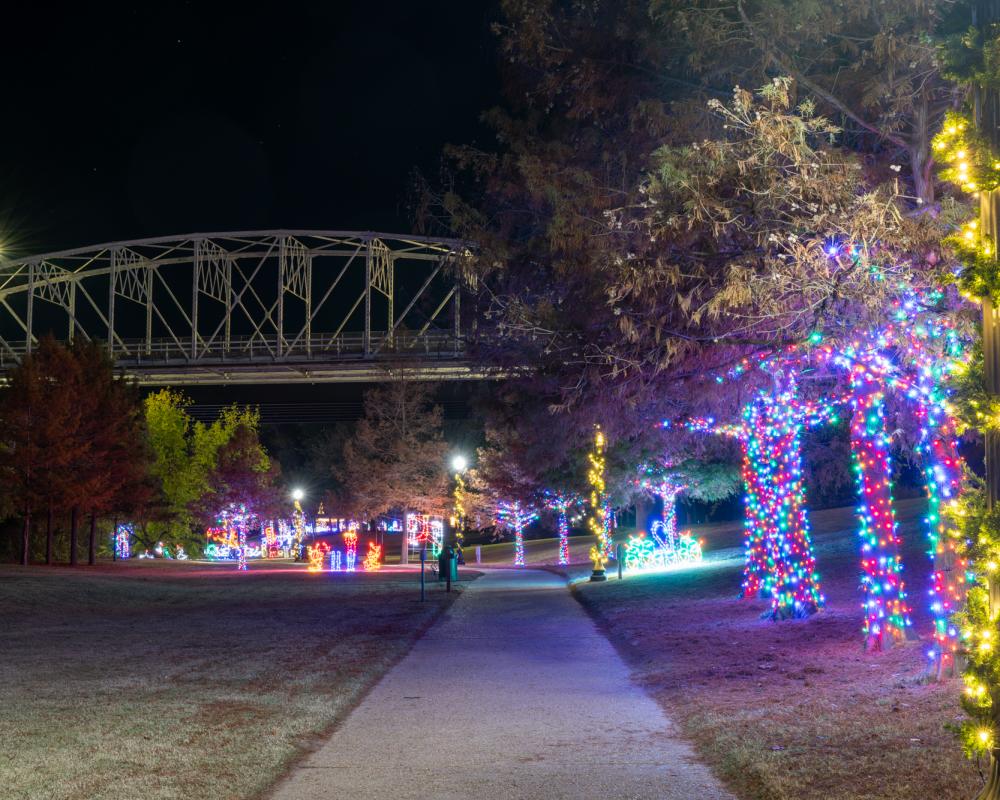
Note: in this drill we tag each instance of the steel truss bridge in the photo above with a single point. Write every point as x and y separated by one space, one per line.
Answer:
278 306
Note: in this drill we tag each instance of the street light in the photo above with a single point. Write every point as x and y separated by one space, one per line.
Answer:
297 494
459 463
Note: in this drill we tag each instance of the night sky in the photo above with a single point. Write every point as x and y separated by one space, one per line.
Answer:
165 118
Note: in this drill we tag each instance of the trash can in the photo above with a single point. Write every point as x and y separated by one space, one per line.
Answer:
447 564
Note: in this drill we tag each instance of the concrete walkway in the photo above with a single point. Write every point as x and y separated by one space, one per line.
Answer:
514 694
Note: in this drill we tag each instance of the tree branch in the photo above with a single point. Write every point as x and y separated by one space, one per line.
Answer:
785 64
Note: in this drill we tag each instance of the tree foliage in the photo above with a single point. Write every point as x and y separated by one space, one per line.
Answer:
396 457
186 462
71 434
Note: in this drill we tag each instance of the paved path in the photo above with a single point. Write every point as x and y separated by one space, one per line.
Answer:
513 695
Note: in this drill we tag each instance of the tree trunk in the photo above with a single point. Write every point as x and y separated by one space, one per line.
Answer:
26 539
73 519
48 537
92 544
921 161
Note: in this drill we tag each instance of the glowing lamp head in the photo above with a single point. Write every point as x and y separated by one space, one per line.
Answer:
298 494
459 463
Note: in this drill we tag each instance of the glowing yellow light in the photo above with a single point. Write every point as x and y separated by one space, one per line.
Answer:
984 736
952 129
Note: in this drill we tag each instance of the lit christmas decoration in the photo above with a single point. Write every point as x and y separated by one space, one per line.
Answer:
181 555
316 553
516 517
351 541
373 560
458 517
335 560
639 552
437 536
887 614
779 559
599 521
561 504
270 543
123 540
299 526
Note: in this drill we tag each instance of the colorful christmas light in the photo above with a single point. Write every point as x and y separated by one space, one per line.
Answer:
123 540
887 614
373 560
516 517
316 553
351 541
779 557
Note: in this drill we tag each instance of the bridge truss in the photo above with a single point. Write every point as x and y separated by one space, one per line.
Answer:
276 306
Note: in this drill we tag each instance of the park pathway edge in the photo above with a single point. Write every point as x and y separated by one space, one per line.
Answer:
513 694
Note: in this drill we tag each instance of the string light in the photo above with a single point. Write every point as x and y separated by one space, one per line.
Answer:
373 560
516 517
351 541
599 520
123 540
316 554
887 613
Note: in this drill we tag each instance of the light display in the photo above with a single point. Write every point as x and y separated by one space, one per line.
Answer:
639 552
422 529
561 504
779 561
642 552
667 488
458 517
887 614
335 560
269 546
123 540
351 541
437 536
516 517
599 520
316 553
299 526
373 559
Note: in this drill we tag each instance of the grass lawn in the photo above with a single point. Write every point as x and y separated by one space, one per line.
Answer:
168 680
536 552
794 709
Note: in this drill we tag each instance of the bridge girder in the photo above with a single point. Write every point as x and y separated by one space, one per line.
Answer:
274 306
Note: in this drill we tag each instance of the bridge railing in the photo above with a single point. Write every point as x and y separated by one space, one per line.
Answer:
258 349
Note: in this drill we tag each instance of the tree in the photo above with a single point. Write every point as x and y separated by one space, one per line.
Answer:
395 459
112 460
36 414
243 475
72 437
874 69
185 454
